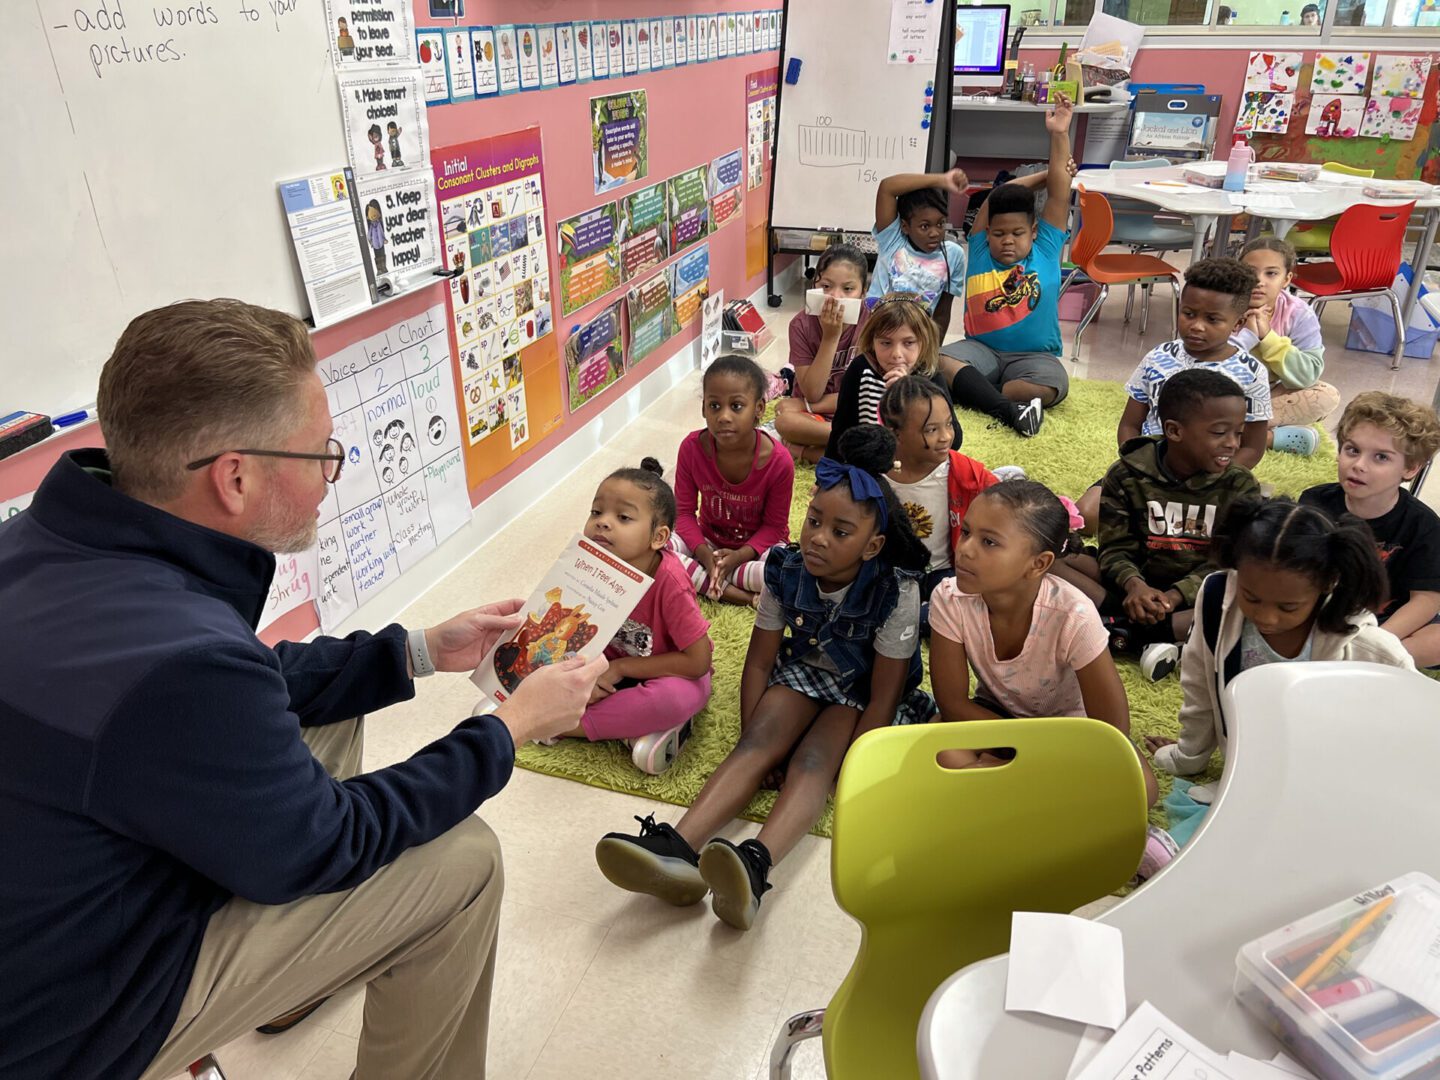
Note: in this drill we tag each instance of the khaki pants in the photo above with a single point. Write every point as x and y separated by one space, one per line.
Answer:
419 934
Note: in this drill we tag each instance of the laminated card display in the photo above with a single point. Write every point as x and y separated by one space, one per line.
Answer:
370 31
574 611
323 215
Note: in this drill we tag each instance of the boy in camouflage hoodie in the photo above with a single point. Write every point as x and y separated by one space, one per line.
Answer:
1161 504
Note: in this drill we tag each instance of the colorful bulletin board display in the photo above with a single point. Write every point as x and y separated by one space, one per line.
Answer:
723 187
761 88
690 284
370 31
492 204
689 209
1275 72
619 138
589 257
430 52
594 355
1326 134
649 307
402 491
644 231
507 59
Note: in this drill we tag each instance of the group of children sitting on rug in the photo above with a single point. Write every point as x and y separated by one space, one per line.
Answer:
905 537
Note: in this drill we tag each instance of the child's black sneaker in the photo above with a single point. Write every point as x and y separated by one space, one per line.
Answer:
737 879
1029 417
1121 631
658 862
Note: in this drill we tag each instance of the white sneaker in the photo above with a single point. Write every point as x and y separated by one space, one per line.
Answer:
1029 418
1158 660
1009 472
653 754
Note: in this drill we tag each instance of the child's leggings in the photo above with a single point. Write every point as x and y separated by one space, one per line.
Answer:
651 706
749 576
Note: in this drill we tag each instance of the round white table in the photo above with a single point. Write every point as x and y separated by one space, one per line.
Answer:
1332 194
1329 789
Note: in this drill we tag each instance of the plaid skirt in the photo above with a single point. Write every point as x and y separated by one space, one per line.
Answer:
822 684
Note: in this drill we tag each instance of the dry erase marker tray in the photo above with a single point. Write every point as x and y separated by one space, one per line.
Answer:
1316 984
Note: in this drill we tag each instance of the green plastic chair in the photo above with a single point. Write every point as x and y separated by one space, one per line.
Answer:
932 861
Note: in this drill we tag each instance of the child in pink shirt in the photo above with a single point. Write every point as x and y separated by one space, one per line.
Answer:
733 485
1036 644
659 674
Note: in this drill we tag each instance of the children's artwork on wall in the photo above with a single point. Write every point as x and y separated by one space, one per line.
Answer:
690 283
507 59
1277 72
370 31
1391 117
385 123
430 51
620 146
1340 73
594 356
1400 76
651 315
644 232
689 209
1335 116
589 259
1265 113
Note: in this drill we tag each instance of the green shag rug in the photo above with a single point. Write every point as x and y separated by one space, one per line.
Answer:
1073 450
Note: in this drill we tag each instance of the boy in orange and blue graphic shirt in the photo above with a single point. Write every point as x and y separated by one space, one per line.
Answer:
1007 366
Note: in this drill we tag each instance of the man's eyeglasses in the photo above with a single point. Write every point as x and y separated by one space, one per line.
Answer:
332 462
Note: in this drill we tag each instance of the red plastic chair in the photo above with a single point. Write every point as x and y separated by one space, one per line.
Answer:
1365 251
1097 226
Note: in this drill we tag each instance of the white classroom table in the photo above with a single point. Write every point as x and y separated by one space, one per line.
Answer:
1315 201
1329 789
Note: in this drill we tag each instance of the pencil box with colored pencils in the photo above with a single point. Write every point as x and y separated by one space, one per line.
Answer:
1351 990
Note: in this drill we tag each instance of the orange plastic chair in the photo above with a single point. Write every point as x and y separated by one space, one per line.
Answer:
1097 226
1365 253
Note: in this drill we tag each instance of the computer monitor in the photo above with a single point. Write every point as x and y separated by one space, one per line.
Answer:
981 33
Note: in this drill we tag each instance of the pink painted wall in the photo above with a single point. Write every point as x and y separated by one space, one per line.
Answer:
696 114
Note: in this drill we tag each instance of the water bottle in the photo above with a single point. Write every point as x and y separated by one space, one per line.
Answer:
1238 165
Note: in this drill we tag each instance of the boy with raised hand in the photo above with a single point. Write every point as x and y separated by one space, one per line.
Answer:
912 212
1008 366
1161 504
1384 441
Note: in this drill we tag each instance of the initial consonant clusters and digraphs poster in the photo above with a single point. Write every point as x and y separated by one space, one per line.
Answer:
402 488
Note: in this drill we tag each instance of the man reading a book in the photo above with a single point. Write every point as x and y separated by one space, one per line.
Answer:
192 848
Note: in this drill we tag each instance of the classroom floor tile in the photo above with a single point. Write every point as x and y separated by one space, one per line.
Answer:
596 982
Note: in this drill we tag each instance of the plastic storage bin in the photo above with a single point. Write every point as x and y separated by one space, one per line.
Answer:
1365 1046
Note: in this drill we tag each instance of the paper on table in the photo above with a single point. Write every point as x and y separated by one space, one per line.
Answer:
1261 200
1244 1067
1065 966
1091 1043
1151 1044
1285 1063
1404 955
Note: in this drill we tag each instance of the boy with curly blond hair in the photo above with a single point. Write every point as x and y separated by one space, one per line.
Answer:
1384 441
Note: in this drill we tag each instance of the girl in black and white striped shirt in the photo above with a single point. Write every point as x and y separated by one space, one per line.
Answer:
899 338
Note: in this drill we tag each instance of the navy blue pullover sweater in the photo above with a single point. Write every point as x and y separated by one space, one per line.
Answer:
151 767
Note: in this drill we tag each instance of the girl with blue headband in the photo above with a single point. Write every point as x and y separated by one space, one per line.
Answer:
835 652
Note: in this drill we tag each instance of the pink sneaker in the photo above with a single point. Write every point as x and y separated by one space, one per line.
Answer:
1159 850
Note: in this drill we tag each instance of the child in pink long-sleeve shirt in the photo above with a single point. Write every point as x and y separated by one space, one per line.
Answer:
733 485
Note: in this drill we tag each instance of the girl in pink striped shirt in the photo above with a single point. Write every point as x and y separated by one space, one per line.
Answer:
733 486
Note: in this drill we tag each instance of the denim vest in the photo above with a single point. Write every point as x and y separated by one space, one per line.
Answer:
847 636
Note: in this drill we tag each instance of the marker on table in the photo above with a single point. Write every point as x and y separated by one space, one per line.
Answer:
1306 980
79 416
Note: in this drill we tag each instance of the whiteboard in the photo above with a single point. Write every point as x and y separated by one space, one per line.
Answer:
850 120
141 168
